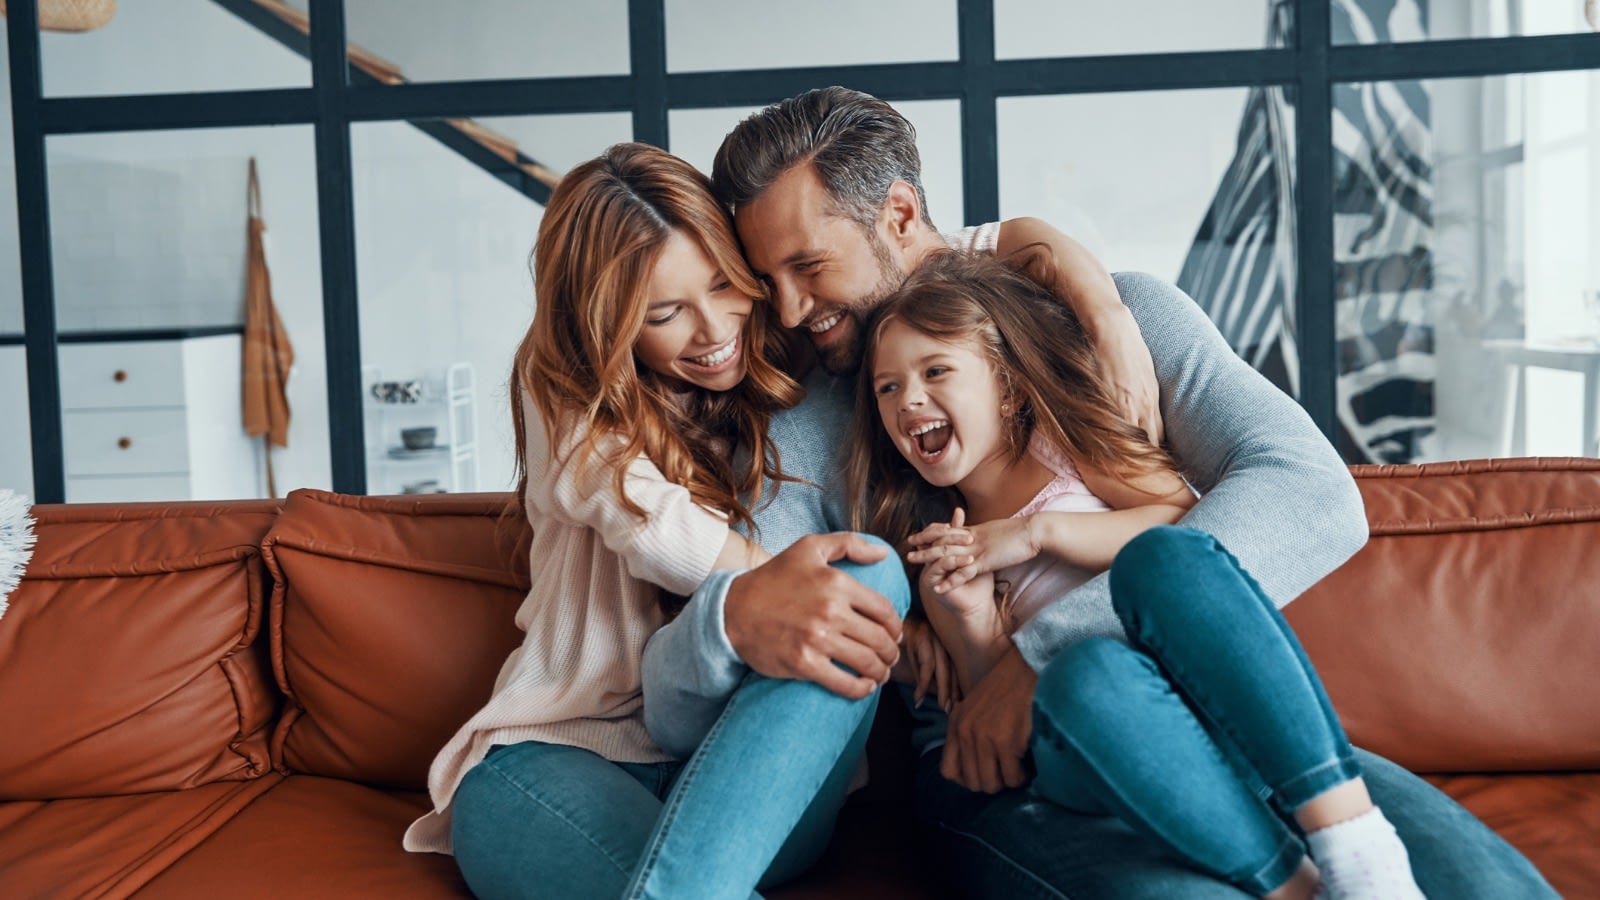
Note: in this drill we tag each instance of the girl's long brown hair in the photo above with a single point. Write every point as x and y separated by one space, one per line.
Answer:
1040 352
603 230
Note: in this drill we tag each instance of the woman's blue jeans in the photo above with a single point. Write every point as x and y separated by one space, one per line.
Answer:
753 806
1207 729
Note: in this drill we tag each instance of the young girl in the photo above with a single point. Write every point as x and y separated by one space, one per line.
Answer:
642 396
979 390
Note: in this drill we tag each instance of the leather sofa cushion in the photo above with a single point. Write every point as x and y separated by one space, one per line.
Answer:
314 837
389 620
1463 637
129 652
110 846
1552 819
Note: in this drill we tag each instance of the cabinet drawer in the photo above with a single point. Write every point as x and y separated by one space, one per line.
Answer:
127 489
120 375
125 442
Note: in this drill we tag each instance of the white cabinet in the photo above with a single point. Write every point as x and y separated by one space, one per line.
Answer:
156 420
446 402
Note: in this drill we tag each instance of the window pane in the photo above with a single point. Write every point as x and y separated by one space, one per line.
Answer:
168 46
1469 290
442 255
16 451
1211 213
711 35
1384 21
1025 29
149 234
424 40
697 133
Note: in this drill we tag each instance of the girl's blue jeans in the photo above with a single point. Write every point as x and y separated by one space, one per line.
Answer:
1207 729
753 806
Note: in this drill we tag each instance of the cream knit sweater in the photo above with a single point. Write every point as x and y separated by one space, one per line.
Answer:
575 679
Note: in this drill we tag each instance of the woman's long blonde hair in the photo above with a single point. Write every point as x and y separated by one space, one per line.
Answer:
1042 357
603 230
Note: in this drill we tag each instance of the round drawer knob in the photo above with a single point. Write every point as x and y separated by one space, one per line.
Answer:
119 376
124 443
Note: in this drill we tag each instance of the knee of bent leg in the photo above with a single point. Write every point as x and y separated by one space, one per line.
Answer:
887 576
1157 564
1084 682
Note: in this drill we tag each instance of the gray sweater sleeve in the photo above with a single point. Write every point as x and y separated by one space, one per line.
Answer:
690 669
1273 490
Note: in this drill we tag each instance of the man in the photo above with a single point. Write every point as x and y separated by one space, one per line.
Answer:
827 199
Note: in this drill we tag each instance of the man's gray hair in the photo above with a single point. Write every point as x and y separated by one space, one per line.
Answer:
858 145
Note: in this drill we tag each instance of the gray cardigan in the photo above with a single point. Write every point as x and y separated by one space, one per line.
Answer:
1272 490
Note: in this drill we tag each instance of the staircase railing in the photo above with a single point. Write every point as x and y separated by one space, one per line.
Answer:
494 153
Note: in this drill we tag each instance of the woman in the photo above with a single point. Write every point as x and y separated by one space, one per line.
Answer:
642 395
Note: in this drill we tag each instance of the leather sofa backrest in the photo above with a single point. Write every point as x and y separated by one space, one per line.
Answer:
128 657
390 619
1465 636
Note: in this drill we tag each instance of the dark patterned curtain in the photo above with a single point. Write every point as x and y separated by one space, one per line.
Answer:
1241 267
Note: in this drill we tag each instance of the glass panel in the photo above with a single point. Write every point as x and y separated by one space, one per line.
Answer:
560 142
446 295
697 133
16 451
1385 21
1212 213
172 47
149 234
713 35
1026 29
1466 216
424 40
16 443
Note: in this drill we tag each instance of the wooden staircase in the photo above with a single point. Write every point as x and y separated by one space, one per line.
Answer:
494 153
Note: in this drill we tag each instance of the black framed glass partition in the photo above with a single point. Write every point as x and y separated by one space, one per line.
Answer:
1098 117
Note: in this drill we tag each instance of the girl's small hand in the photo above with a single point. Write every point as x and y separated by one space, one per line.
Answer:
973 600
956 554
930 664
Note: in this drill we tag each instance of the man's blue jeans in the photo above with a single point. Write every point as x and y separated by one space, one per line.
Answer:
1186 735
753 806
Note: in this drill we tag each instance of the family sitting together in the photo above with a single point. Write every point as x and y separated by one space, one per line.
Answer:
782 442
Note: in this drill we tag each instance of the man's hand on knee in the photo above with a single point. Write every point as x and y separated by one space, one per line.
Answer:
797 617
989 730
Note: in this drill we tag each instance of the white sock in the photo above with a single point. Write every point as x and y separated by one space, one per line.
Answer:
1363 859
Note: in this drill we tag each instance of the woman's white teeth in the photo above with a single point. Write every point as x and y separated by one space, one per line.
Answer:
825 324
926 427
717 357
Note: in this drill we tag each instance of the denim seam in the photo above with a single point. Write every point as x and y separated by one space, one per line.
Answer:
1058 734
559 814
1011 864
1203 704
669 812
1279 862
1303 787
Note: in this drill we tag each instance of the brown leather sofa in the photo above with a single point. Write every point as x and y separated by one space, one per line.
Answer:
242 699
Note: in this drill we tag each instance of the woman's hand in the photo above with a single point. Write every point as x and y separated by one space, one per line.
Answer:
930 664
954 554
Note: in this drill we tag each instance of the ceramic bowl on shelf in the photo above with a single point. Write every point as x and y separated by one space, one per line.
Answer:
420 438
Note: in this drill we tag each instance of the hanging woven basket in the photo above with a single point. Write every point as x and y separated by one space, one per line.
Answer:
72 15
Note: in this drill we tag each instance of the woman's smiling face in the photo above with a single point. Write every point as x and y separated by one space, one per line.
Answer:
694 319
939 403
